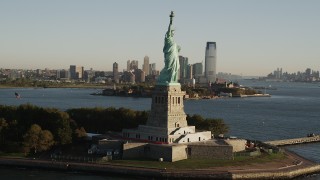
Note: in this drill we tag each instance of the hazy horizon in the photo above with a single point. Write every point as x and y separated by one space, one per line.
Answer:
253 38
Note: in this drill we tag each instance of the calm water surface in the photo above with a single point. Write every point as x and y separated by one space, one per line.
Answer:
33 174
292 111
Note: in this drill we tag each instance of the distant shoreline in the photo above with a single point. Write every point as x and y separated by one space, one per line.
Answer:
273 170
73 87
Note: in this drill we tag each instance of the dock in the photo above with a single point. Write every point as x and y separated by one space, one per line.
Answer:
286 142
254 95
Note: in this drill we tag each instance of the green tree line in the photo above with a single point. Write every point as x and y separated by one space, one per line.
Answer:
18 122
101 120
38 128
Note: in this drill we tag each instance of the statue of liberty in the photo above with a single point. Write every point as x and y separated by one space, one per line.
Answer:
169 74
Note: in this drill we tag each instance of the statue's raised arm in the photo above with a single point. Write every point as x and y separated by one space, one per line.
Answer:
169 74
169 32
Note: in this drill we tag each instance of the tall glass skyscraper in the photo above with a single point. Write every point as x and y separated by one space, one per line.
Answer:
211 61
115 72
145 65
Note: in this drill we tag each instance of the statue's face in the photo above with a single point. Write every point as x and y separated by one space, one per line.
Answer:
172 32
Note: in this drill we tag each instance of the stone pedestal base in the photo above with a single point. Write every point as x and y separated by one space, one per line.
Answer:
167 122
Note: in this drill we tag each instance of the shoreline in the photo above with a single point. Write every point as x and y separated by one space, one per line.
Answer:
133 96
293 167
62 87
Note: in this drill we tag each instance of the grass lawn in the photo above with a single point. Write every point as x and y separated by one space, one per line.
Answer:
12 155
200 163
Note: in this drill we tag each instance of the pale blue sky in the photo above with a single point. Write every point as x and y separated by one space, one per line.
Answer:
253 37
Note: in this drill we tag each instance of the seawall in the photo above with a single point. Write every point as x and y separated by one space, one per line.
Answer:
286 142
277 174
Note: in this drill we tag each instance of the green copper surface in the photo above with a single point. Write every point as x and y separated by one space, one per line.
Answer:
170 72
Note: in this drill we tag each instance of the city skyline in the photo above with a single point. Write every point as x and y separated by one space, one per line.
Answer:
253 37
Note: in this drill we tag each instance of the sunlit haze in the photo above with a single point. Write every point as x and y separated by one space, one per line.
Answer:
253 37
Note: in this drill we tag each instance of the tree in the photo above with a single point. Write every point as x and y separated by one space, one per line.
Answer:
45 140
38 139
3 126
217 126
195 120
80 133
31 138
13 132
65 135
110 119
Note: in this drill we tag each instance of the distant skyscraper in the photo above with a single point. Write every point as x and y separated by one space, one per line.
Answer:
132 65
183 66
73 73
308 72
63 74
76 72
139 76
115 72
39 72
145 66
278 73
197 69
211 61
88 75
189 71
128 76
152 69
128 65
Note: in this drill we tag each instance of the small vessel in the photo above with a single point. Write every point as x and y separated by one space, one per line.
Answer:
17 95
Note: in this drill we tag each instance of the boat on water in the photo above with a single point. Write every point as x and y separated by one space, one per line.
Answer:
17 95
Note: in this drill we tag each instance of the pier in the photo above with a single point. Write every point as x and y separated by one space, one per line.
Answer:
286 142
